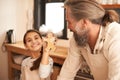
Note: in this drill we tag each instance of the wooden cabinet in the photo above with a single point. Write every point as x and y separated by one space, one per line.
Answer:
111 6
115 7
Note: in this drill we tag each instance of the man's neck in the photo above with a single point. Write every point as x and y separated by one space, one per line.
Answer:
93 36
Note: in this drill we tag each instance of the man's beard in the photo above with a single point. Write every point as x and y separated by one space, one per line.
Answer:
81 37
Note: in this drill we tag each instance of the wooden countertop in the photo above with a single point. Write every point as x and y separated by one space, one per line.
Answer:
60 52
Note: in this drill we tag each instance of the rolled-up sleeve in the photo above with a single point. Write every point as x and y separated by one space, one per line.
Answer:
112 48
114 61
71 64
45 70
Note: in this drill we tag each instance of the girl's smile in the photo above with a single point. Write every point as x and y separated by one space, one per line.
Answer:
33 41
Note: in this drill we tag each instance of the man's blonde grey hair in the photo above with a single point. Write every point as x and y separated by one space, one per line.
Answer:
91 10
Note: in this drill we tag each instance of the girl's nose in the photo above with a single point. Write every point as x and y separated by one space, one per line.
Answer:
33 41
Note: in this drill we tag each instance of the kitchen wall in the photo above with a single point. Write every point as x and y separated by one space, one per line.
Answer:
14 14
17 15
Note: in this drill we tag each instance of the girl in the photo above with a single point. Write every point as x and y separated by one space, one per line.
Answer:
39 65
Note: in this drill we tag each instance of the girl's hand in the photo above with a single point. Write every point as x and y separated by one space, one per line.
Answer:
45 47
46 52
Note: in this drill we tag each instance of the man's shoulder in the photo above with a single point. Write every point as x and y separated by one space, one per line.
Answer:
113 27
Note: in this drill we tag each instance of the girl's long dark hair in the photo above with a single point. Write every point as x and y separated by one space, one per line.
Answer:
36 63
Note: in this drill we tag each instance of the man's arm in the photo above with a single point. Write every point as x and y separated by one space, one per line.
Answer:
71 64
114 61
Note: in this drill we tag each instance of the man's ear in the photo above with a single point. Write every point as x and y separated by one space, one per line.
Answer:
86 22
82 22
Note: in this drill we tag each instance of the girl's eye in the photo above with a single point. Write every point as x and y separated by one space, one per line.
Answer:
36 38
29 40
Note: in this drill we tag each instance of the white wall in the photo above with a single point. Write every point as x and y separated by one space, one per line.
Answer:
17 15
13 15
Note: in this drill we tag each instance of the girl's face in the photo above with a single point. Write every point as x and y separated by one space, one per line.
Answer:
33 41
